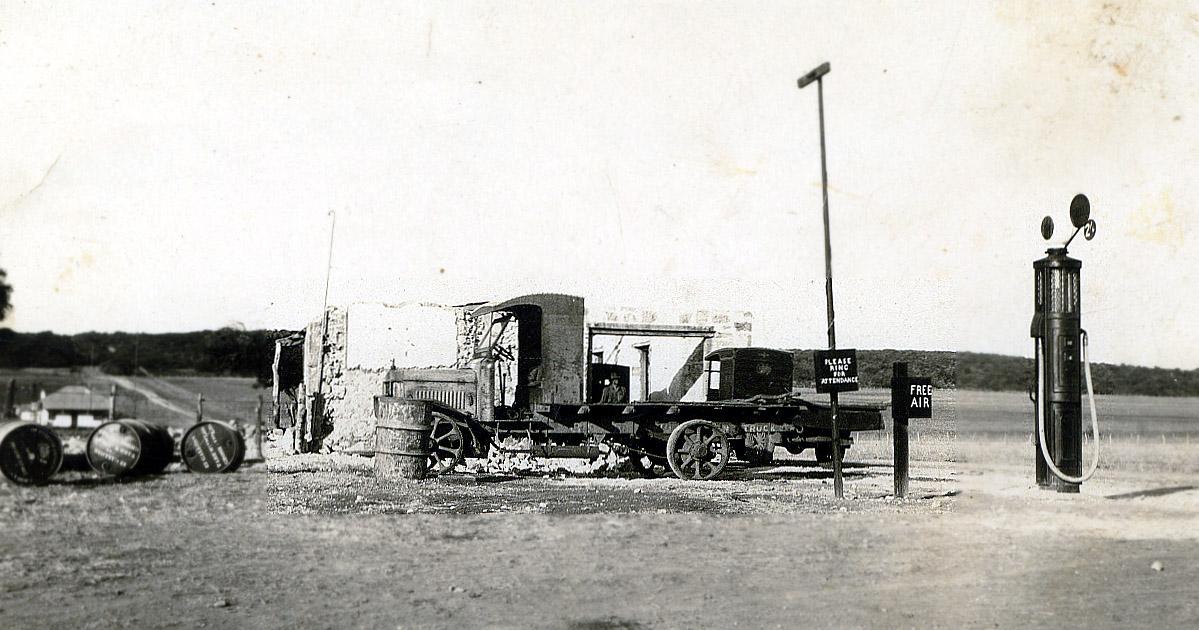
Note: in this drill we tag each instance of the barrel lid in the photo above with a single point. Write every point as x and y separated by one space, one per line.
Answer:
211 447
113 448
30 454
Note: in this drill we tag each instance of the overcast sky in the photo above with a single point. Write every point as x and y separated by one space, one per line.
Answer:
172 167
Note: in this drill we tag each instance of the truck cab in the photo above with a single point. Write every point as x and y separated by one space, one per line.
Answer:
739 373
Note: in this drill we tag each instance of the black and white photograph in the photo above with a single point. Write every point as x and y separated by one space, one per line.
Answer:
599 315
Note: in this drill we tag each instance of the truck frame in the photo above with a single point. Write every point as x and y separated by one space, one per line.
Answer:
750 406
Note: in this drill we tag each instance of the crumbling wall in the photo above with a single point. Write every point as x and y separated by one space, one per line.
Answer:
350 411
470 334
734 328
676 364
324 363
361 342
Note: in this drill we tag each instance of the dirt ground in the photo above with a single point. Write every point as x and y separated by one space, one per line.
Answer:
316 541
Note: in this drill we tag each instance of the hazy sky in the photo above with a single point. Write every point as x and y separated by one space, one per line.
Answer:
172 167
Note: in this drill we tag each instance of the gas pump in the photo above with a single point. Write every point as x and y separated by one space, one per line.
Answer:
1060 342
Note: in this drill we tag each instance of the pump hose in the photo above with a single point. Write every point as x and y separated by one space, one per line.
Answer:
1086 362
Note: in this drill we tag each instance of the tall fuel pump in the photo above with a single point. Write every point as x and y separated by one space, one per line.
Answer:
1062 361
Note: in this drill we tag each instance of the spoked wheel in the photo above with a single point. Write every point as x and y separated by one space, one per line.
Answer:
697 449
447 445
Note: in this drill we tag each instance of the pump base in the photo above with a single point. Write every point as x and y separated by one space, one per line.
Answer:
1069 488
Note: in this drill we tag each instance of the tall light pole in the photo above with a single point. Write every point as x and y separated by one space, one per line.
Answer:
817 75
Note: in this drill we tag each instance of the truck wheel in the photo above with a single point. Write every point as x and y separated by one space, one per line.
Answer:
697 449
447 445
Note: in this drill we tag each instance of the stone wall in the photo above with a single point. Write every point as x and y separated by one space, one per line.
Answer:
734 328
470 333
350 411
339 401
676 364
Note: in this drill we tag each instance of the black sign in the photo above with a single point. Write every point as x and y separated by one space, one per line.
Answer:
836 371
912 398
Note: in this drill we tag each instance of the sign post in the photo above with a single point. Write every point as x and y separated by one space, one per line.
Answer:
836 371
817 75
910 398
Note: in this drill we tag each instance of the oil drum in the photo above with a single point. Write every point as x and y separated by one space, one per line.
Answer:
29 453
212 447
130 448
402 430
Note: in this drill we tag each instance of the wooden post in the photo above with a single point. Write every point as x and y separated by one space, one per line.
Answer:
275 381
258 431
817 75
10 400
643 348
899 431
199 408
112 403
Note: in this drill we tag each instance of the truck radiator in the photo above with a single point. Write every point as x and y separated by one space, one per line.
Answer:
460 400
454 388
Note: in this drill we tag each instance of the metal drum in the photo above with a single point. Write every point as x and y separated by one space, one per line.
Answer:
29 453
130 448
212 447
402 428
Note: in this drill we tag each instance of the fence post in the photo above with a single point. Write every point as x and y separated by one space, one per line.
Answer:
199 408
112 403
10 400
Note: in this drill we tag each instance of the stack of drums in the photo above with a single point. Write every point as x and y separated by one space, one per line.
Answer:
402 428
130 448
212 447
29 453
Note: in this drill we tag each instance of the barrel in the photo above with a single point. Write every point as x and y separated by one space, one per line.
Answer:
29 453
402 429
212 447
130 448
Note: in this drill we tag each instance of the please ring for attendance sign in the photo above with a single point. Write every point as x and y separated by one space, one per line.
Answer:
836 371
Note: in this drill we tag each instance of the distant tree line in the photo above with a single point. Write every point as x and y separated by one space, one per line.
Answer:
874 366
996 372
1000 372
224 352
235 352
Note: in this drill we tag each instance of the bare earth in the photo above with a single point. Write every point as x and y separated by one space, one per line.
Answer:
316 541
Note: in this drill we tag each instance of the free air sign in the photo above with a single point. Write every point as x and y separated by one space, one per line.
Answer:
912 398
836 371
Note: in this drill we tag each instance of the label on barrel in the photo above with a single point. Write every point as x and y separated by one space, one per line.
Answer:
209 447
29 455
113 449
